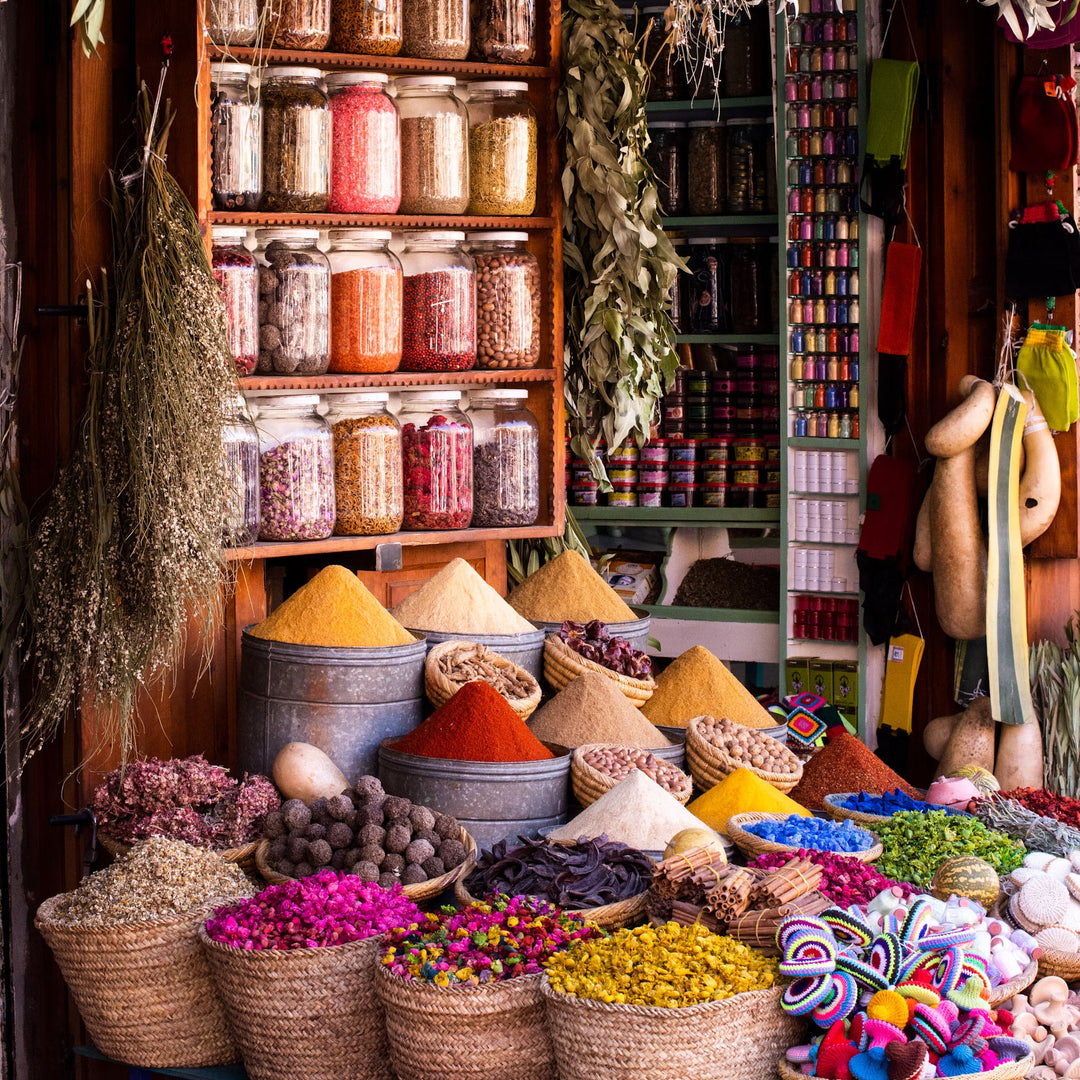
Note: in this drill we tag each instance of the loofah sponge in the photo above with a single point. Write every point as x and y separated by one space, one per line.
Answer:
1058 939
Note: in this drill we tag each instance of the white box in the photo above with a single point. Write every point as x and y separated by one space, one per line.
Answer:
812 471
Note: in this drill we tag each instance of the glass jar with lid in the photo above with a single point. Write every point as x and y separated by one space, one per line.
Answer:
240 463
370 27
297 24
365 302
762 148
667 156
745 69
507 300
751 289
294 302
434 146
296 469
235 138
367 465
668 81
680 310
365 157
237 276
437 29
707 288
439 303
705 167
296 141
437 455
746 171
502 149
232 22
506 459
504 31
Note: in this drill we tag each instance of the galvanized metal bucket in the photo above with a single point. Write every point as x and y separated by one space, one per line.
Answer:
636 632
491 799
344 701
676 752
525 649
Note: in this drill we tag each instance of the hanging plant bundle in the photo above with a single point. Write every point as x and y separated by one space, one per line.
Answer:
129 547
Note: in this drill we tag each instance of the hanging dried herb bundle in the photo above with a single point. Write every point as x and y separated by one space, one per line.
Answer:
129 547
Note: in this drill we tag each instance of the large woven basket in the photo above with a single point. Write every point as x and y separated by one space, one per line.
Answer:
440 689
752 845
490 1032
709 764
1011 1070
143 989
837 811
310 1013
589 783
562 666
1001 993
1052 962
738 1038
243 856
418 893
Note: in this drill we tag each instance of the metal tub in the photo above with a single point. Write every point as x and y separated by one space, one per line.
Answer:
526 649
676 752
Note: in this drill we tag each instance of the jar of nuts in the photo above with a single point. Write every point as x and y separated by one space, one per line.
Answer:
367 465
507 300
506 458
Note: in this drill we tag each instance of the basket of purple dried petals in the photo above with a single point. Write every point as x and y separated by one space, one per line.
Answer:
583 647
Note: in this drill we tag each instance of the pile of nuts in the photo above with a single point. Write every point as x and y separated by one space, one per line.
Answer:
468 662
619 761
746 747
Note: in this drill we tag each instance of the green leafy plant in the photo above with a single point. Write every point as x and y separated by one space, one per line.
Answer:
525 557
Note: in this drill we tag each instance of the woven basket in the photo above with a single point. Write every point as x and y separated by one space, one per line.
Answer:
589 783
738 1038
840 813
709 763
424 890
1011 1070
1000 994
1065 965
490 1032
751 845
243 856
562 666
310 1013
441 689
143 989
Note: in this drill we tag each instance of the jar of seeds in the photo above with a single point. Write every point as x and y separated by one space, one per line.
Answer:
296 144
237 276
506 459
434 146
504 31
367 465
294 302
235 138
502 149
371 27
705 168
240 460
507 300
232 22
297 24
437 29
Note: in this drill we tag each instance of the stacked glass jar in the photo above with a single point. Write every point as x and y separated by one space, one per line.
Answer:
365 157
235 138
502 149
437 456
296 141
506 459
238 277
507 300
240 464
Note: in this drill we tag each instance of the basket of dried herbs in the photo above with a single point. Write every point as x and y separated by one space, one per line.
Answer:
451 664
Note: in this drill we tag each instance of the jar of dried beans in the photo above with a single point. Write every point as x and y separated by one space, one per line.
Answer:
240 461
365 162
296 142
436 29
434 146
238 276
367 465
705 167
294 302
506 458
372 27
504 31
437 454
296 469
502 149
365 302
232 22
235 138
507 300
439 304
297 24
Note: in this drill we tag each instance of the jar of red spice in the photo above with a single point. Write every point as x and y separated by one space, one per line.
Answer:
365 302
238 277
439 322
365 156
437 452
371 27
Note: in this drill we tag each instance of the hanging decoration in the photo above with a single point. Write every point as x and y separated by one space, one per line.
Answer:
1025 17
89 15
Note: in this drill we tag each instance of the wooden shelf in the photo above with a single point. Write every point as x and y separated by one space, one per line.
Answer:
314 383
461 222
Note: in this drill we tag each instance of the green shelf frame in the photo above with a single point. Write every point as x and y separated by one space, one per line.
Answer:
728 339
752 222
673 517
828 444
704 614
733 106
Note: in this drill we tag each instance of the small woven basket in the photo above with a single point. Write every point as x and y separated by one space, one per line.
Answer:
589 782
1011 1070
1001 993
709 763
243 856
738 1038
440 688
310 1013
840 813
750 844
143 989
491 1032
562 666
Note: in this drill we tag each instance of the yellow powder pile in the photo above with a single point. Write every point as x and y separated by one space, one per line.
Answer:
697 684
334 610
457 600
742 792
569 588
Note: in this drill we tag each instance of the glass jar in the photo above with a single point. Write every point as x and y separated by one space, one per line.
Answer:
705 166
296 469
365 157
680 310
504 31
762 147
667 156
745 70
507 300
506 459
370 27
668 81
240 462
237 276
232 22
439 308
750 287
296 145
235 139
297 24
745 167
365 302
434 146
436 443
294 302
707 289
502 149
367 465
437 29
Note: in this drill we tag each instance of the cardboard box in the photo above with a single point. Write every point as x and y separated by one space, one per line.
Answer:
797 676
846 686
821 679
636 582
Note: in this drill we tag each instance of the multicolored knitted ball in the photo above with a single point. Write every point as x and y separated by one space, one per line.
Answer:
842 1001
